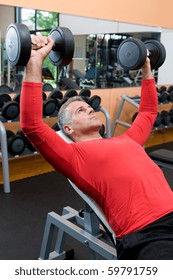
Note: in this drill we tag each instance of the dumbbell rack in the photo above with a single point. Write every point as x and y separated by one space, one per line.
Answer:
5 155
134 101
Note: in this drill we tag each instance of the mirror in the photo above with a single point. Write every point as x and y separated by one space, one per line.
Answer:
94 64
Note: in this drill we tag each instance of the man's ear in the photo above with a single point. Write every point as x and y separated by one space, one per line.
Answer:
68 129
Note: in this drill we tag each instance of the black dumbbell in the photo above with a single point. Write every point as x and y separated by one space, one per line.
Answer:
94 102
15 143
165 117
102 130
170 96
162 95
161 89
158 120
170 88
170 93
9 108
49 105
28 144
132 53
47 87
70 93
57 96
85 93
18 45
171 115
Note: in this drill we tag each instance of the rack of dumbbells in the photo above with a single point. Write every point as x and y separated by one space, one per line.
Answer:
164 118
14 145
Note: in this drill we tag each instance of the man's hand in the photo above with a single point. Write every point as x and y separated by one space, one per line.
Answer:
146 68
41 46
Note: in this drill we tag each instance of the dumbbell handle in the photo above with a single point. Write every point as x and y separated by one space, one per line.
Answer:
35 47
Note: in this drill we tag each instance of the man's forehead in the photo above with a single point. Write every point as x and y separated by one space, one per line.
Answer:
77 104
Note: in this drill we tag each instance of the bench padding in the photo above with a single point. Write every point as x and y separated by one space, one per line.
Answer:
162 155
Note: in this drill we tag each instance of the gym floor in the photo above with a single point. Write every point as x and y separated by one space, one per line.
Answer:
24 211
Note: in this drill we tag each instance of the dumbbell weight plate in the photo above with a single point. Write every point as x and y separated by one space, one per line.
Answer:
170 88
4 98
165 117
28 144
162 89
85 93
170 96
70 93
62 52
18 44
131 54
56 95
158 120
157 53
94 102
10 110
15 143
49 107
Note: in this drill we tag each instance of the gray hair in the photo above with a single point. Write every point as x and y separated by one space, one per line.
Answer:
64 115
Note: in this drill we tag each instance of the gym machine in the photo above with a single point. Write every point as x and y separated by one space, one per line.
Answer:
90 227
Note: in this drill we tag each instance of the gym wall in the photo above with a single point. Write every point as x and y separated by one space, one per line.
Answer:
146 12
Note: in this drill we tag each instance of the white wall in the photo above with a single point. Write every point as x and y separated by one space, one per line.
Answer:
83 25
6 17
166 70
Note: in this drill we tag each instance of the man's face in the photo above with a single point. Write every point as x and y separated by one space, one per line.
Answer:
84 118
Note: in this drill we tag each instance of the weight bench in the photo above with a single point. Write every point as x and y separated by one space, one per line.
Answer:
162 157
90 227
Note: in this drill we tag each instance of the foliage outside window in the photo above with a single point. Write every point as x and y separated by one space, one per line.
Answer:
40 22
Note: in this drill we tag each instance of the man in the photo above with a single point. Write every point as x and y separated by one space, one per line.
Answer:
116 172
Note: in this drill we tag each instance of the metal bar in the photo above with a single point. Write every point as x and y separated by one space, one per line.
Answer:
123 123
95 244
4 156
117 115
108 122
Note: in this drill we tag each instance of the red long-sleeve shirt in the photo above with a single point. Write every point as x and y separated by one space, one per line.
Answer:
116 172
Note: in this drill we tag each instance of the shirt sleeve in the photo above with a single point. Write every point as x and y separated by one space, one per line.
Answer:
51 146
143 123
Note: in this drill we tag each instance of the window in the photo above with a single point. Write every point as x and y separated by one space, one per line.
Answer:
40 22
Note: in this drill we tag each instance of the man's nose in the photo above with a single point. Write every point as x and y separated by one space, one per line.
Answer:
90 110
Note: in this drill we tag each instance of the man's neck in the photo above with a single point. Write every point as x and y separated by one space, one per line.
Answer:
83 138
